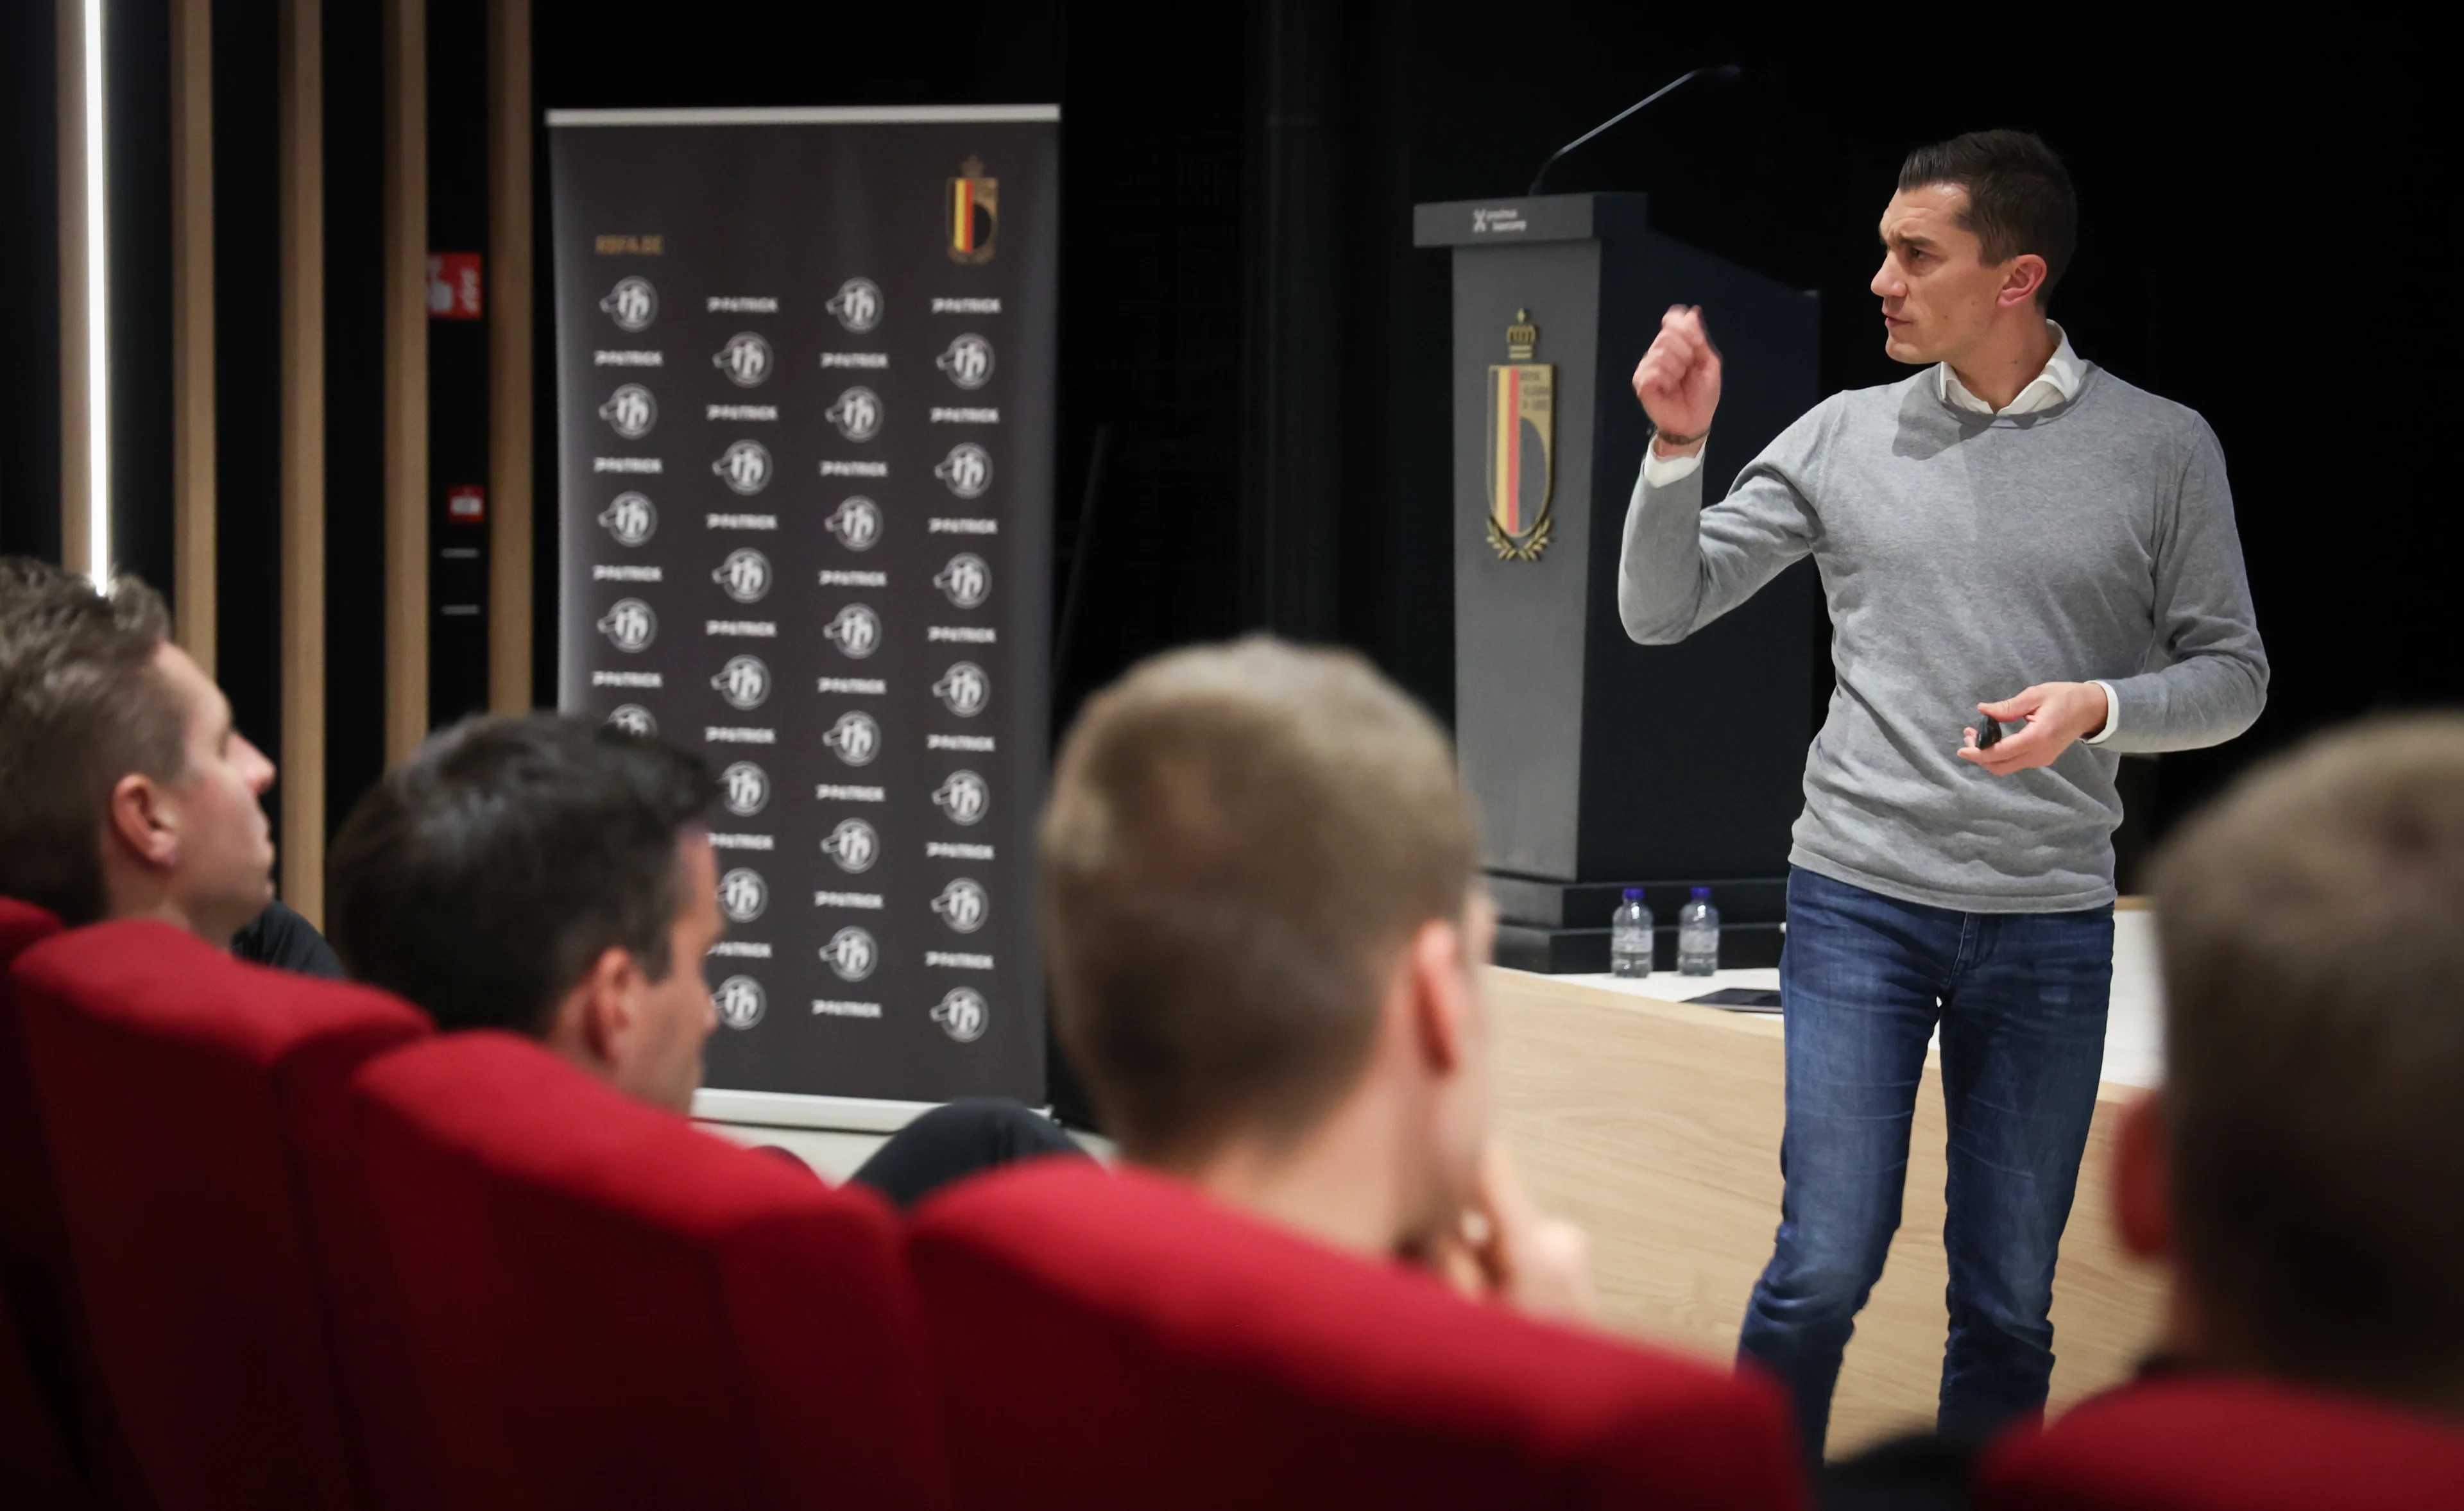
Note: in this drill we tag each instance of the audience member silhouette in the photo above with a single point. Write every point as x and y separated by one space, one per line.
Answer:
555 877
1267 934
2295 1177
125 792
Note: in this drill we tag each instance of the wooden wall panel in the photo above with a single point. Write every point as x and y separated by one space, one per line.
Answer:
301 170
406 376
192 328
510 442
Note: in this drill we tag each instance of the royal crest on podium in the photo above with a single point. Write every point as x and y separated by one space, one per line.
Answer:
1522 434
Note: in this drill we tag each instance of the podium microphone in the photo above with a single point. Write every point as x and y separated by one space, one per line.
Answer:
1725 73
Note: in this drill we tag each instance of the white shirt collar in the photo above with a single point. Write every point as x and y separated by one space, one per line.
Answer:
2058 383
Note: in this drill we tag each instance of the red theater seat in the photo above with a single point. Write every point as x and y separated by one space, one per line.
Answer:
38 1390
2188 1444
605 1307
191 1104
1105 1339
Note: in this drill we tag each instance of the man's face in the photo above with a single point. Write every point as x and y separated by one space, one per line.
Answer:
1939 294
221 875
673 1019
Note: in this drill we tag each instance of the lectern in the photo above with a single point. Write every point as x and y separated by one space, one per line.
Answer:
1596 764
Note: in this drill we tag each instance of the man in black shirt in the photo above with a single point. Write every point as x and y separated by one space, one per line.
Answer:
281 938
124 790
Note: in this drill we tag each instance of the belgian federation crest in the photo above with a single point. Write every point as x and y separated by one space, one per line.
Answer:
1522 434
974 214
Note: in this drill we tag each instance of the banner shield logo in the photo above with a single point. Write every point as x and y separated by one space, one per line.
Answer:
974 214
1521 441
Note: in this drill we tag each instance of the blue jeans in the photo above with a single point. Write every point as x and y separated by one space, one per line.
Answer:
2020 999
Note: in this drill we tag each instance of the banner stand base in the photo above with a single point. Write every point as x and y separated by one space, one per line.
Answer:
790 1110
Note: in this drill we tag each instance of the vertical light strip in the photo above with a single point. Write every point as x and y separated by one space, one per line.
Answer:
97 304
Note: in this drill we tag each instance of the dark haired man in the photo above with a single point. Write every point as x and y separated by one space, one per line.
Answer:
1267 933
2012 524
555 878
124 790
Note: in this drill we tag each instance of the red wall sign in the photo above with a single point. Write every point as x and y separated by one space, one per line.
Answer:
454 286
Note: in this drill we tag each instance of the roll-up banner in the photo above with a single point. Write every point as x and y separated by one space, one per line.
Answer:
804 366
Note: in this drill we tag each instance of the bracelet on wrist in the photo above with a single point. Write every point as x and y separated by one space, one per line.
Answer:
1679 442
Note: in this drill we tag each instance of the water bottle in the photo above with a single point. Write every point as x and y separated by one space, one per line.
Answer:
1630 936
1698 935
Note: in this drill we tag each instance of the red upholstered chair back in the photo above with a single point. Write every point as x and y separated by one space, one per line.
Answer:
188 1101
1117 1340
2190 1444
28 1208
606 1308
38 1387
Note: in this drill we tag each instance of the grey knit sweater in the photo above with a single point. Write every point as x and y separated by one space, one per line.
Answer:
1967 556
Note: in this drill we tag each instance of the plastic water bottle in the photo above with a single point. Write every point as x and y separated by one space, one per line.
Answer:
1698 935
1630 936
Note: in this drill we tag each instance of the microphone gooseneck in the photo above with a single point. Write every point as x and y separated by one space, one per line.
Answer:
1725 73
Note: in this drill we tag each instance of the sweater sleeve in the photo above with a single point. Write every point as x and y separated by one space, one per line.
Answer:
1682 565
2216 681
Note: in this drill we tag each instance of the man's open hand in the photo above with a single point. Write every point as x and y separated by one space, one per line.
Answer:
1679 379
2057 714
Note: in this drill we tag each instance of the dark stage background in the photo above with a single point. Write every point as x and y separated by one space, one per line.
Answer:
1254 352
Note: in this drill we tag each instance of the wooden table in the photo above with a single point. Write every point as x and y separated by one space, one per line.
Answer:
1656 1125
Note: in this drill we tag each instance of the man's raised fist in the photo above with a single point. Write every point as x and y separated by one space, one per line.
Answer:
1679 381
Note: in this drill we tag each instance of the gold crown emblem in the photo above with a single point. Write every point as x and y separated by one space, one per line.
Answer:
1521 337
972 168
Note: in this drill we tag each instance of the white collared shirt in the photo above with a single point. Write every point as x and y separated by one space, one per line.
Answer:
2059 382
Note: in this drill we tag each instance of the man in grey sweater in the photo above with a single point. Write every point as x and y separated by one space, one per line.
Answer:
2012 525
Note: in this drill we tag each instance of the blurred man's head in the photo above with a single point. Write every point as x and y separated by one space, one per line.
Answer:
124 790
1258 895
1981 229
548 876
2300 1167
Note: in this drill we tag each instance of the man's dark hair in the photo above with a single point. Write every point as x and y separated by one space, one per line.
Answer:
481 879
2314 984
82 706
2019 196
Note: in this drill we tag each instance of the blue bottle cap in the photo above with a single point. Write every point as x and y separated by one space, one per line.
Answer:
1634 894
1701 892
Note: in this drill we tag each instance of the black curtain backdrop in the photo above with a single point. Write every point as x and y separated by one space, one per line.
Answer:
1244 318
29 272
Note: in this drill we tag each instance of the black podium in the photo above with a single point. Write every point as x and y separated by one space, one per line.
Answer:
1596 764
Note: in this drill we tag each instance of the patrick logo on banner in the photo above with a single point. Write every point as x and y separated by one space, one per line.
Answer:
1521 431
